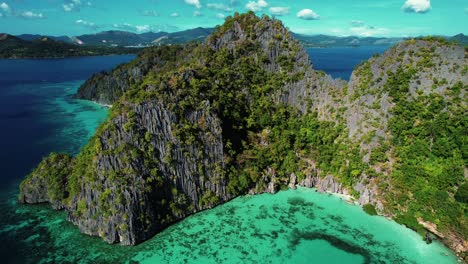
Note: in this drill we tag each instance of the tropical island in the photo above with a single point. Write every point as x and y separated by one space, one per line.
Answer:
244 112
12 47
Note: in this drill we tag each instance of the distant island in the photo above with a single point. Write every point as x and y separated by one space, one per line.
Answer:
123 42
12 47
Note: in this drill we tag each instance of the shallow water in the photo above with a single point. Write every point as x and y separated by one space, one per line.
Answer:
294 226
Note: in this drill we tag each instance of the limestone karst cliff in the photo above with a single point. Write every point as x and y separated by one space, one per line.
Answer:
245 112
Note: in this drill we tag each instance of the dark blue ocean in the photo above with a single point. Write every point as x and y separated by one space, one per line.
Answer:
33 108
37 116
339 62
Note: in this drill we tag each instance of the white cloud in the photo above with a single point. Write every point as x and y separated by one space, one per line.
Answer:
31 15
130 27
195 3
68 7
279 10
307 14
417 6
197 13
165 27
220 16
143 28
221 7
85 23
149 13
5 7
357 23
361 29
174 14
256 5
74 5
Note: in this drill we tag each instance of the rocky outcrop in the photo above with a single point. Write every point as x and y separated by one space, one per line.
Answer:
367 193
145 178
280 49
107 87
48 182
459 245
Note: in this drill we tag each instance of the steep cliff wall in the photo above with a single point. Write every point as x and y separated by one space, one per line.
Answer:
48 182
143 177
106 87
168 146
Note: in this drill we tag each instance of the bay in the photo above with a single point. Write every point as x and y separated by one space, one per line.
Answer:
339 62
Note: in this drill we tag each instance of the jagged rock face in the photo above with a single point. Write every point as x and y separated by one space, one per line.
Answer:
106 88
48 182
280 49
318 91
158 181
273 39
368 103
367 100
152 165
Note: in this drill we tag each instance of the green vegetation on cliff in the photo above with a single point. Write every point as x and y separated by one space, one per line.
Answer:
49 181
429 139
193 126
420 157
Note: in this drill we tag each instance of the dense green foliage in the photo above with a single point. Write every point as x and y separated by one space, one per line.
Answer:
429 139
107 87
369 209
51 176
462 193
12 47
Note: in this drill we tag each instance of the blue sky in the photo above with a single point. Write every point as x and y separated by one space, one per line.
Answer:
338 17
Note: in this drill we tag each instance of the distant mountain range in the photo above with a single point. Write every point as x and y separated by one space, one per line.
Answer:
120 42
12 47
333 41
124 38
460 38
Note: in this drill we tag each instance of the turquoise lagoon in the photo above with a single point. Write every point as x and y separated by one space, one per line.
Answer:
293 226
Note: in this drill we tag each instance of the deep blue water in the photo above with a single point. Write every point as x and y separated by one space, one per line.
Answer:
28 89
340 62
